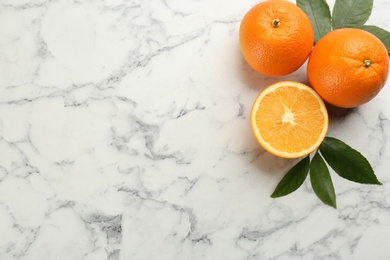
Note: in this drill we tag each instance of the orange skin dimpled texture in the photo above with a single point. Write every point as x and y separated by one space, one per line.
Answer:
348 67
276 37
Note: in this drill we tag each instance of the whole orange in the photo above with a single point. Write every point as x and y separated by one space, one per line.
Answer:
348 67
276 37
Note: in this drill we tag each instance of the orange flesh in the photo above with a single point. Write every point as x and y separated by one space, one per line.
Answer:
289 121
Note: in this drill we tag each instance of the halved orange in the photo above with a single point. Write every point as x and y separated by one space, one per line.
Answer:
289 119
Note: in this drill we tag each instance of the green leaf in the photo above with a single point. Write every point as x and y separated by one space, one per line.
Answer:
347 162
382 34
319 14
293 178
351 13
321 181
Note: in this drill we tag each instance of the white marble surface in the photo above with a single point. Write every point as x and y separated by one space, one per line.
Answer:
124 134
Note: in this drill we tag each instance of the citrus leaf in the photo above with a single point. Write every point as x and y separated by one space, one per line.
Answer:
351 13
382 34
293 178
321 181
319 14
347 162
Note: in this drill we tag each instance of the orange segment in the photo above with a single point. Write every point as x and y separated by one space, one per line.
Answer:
289 119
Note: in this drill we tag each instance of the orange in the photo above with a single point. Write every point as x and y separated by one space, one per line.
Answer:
289 119
276 37
348 67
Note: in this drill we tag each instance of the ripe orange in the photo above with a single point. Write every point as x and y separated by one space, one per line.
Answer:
289 119
348 67
276 37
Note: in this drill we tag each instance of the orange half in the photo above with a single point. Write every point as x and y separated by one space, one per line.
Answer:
289 119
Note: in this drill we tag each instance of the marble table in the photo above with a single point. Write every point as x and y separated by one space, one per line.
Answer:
124 134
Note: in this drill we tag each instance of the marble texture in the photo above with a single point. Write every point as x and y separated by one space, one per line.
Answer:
124 134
